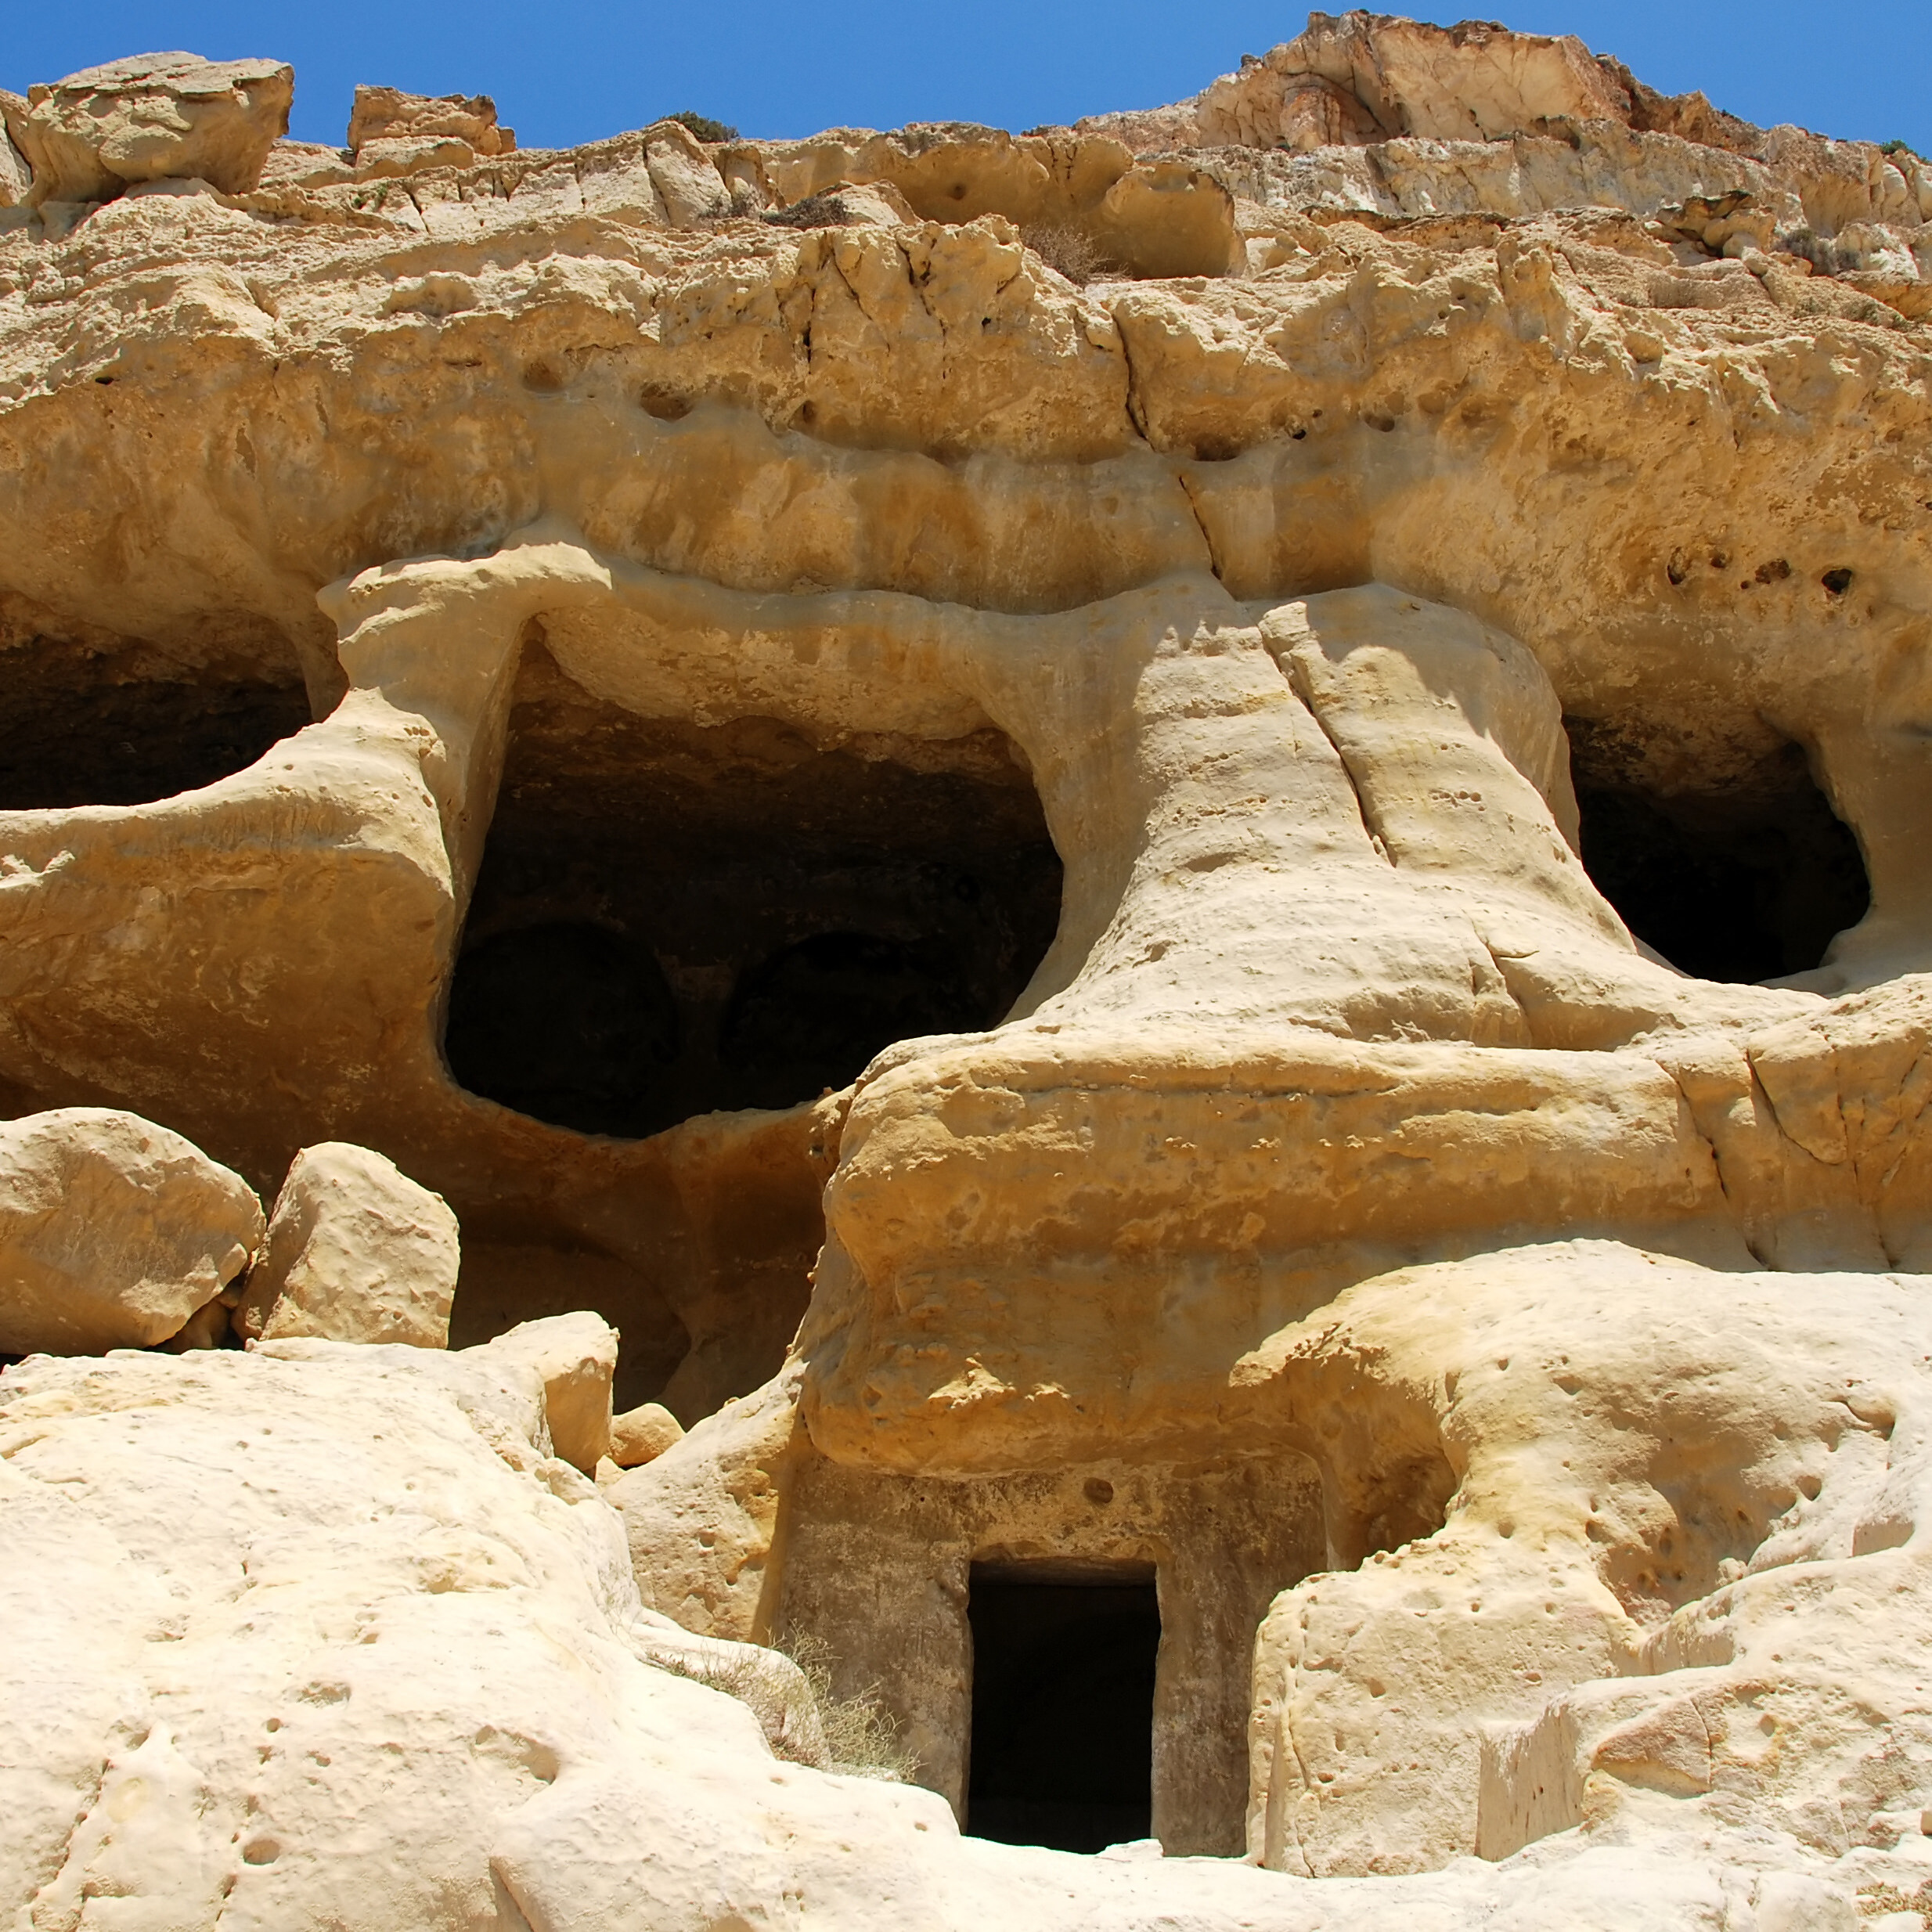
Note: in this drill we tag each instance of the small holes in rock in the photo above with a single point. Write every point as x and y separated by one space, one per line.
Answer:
1836 582
543 378
957 191
665 405
1098 1491
1773 572
1215 448
1382 422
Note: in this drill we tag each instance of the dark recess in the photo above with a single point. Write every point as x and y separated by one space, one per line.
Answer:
1063 1711
671 919
83 727
1747 881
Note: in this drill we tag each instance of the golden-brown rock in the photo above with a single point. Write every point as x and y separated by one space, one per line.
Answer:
388 113
1188 858
643 1434
152 117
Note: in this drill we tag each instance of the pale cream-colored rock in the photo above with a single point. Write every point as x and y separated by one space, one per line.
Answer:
150 117
643 1434
356 1252
1669 1499
1305 530
432 1608
573 1357
113 1231
388 113
16 177
701 1519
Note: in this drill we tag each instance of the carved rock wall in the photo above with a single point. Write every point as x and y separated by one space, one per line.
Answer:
1190 851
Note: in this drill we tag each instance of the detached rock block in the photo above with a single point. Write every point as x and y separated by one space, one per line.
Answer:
357 1252
575 1357
16 177
642 1435
113 1231
386 113
152 117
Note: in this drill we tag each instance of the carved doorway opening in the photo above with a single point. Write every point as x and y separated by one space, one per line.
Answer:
1062 1748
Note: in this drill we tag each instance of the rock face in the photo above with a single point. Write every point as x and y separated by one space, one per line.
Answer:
573 1357
394 133
1156 898
356 1252
113 1232
155 117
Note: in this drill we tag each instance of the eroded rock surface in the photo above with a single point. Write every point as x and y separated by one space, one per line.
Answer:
1179 865
154 117
356 1252
113 1232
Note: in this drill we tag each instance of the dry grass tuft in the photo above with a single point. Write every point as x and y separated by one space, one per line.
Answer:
1072 251
803 1719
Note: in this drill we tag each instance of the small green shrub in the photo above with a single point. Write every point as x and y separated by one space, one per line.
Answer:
704 127
824 209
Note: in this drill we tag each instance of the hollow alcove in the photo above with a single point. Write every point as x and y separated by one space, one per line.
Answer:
1061 1750
88 724
671 919
1734 868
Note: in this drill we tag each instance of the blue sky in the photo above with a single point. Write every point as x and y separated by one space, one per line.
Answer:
569 70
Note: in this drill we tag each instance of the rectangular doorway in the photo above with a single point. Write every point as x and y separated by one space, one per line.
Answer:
1063 1745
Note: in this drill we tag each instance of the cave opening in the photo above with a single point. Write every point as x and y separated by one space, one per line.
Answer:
1736 870
673 919
1062 1748
92 724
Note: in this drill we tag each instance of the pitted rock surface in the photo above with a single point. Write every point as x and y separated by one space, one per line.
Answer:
1189 856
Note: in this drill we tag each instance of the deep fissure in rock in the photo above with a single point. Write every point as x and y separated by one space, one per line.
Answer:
672 918
1740 872
83 725
1063 1745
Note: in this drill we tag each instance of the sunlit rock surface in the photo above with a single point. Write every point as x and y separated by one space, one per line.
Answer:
1180 871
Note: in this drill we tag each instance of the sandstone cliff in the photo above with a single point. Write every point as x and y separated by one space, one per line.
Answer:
1188 858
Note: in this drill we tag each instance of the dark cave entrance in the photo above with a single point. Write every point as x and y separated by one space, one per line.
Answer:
1743 875
125 725
1063 1742
671 919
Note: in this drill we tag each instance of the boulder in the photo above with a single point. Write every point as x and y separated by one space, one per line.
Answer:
152 117
16 177
386 113
690 187
575 1357
356 1252
113 1231
643 1434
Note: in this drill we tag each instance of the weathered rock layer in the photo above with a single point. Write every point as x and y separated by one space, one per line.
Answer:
1188 858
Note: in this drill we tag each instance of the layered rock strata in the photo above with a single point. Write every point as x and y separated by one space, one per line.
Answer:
1183 857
